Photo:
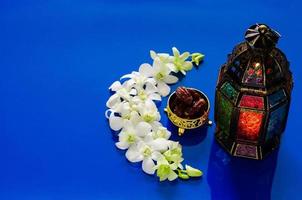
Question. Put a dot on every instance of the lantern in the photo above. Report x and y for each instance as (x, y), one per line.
(253, 95)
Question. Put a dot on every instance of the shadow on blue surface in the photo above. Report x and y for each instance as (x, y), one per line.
(190, 137)
(247, 179)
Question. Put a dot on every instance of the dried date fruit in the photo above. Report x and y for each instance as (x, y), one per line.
(196, 110)
(184, 95)
(179, 111)
(196, 95)
(188, 103)
(199, 104)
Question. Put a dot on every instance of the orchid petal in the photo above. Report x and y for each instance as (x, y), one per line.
(153, 54)
(157, 64)
(163, 88)
(115, 86)
(172, 176)
(148, 138)
(135, 117)
(187, 66)
(150, 88)
(113, 100)
(129, 83)
(116, 123)
(146, 69)
(127, 76)
(168, 134)
(180, 166)
(143, 128)
(170, 79)
(156, 155)
(133, 155)
(184, 55)
(175, 52)
(159, 144)
(122, 145)
(148, 166)
(155, 97)
(171, 66)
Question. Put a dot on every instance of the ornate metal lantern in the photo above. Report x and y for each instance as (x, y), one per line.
(253, 95)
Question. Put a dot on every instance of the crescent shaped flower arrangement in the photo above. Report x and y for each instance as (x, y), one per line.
(133, 112)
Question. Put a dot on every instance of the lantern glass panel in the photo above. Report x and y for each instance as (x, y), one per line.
(272, 71)
(228, 90)
(249, 124)
(254, 72)
(236, 70)
(224, 112)
(276, 98)
(249, 101)
(276, 121)
(246, 150)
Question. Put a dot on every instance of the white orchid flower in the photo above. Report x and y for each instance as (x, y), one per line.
(163, 77)
(123, 112)
(165, 170)
(143, 84)
(148, 111)
(174, 154)
(161, 73)
(159, 131)
(180, 63)
(131, 134)
(123, 92)
(143, 152)
(141, 77)
(148, 91)
(135, 78)
(163, 57)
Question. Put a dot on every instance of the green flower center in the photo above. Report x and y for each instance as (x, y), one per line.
(173, 155)
(161, 133)
(149, 118)
(178, 63)
(142, 95)
(160, 76)
(131, 138)
(163, 170)
(147, 152)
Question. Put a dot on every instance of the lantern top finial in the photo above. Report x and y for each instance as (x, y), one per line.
(261, 36)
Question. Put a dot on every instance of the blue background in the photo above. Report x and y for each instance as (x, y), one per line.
(57, 59)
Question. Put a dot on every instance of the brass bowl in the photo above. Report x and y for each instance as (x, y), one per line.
(185, 124)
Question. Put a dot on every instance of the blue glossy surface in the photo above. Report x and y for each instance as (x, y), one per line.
(57, 59)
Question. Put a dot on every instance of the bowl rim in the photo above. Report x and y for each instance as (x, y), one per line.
(207, 99)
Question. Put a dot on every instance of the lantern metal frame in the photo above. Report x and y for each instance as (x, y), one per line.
(263, 46)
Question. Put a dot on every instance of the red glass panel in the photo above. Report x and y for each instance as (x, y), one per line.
(252, 102)
(249, 125)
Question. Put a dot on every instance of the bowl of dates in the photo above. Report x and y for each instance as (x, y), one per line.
(188, 108)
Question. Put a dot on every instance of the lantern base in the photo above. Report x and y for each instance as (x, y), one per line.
(246, 149)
